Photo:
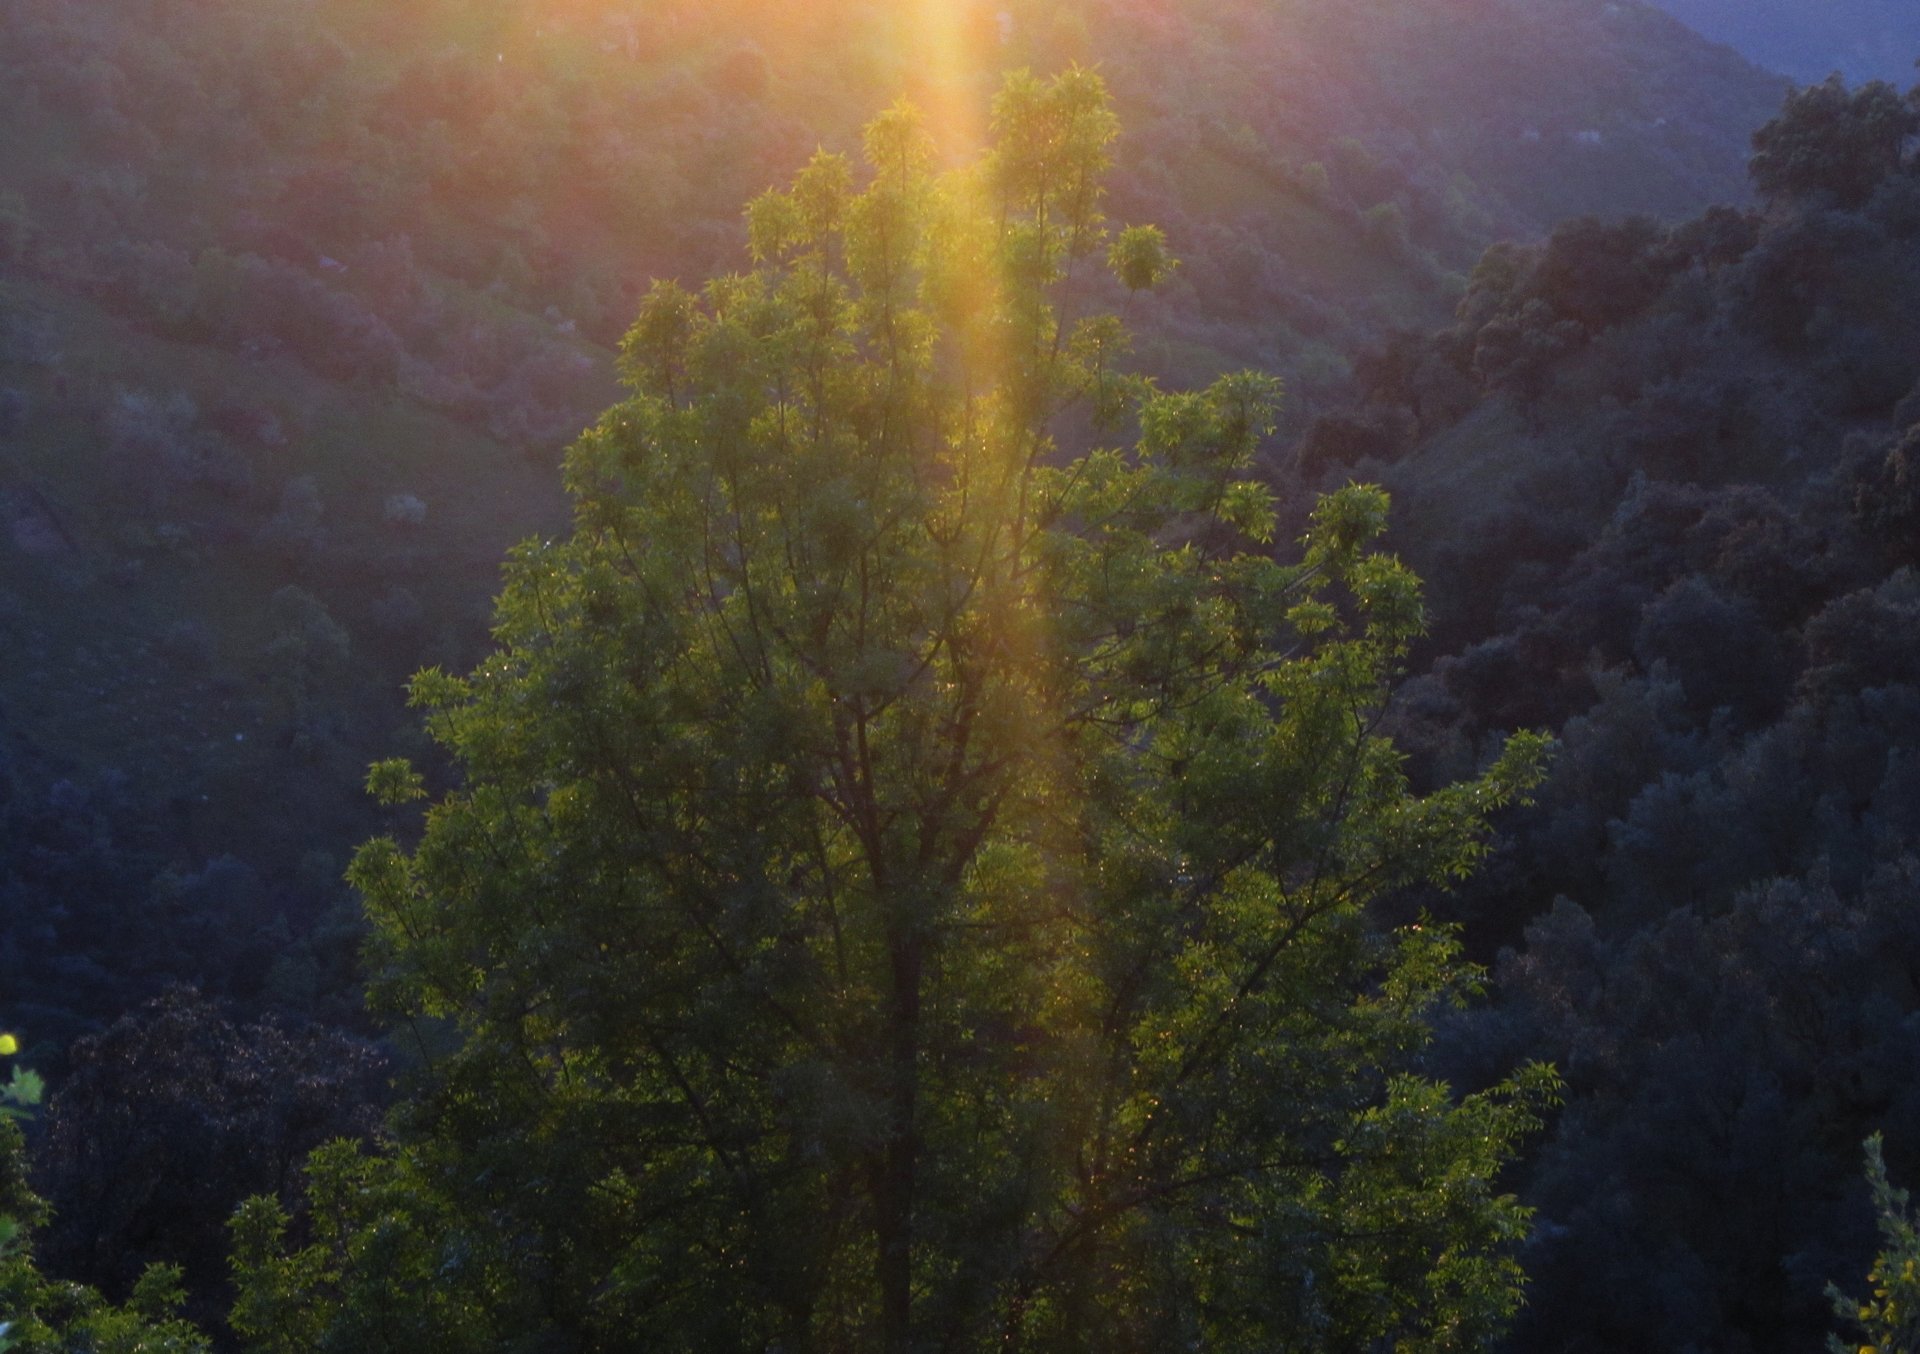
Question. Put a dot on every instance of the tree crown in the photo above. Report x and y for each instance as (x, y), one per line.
(910, 882)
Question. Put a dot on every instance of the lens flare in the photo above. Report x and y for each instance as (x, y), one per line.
(950, 56)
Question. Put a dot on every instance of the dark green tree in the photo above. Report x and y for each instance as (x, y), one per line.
(171, 1115)
(909, 887)
(1834, 142)
(42, 1316)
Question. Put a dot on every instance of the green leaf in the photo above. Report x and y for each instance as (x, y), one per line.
(394, 781)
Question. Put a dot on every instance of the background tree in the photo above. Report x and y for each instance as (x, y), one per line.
(1696, 568)
(170, 1116)
(39, 1316)
(910, 885)
(1834, 141)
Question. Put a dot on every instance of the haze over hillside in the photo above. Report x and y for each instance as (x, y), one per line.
(1810, 39)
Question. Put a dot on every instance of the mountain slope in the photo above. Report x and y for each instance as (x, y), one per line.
(235, 230)
(299, 297)
(1662, 484)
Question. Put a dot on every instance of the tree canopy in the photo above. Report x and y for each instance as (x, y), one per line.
(42, 1316)
(1835, 141)
(909, 883)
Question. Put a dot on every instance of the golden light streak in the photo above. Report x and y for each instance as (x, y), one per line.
(950, 52)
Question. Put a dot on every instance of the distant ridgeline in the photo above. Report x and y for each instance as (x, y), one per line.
(1810, 39)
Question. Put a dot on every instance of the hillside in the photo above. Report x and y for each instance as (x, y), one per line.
(1660, 481)
(300, 298)
(294, 290)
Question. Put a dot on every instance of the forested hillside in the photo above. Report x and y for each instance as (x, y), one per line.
(302, 298)
(301, 301)
(1660, 480)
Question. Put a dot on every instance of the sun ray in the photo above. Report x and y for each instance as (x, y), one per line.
(950, 51)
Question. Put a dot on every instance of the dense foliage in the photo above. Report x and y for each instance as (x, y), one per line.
(40, 1316)
(172, 1113)
(1660, 480)
(909, 888)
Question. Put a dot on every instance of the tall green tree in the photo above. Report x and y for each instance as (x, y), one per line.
(909, 887)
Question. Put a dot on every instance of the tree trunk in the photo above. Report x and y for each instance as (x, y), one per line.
(899, 1156)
